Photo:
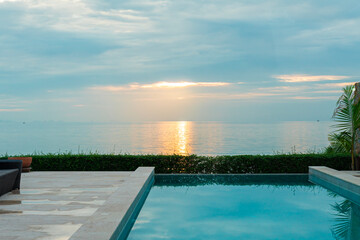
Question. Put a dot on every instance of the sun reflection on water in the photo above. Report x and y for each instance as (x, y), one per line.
(182, 146)
(176, 137)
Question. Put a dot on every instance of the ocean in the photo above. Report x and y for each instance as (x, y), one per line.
(180, 137)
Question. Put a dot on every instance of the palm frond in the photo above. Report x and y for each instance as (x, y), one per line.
(341, 228)
(347, 118)
(340, 142)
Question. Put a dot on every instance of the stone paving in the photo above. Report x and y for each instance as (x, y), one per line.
(354, 173)
(69, 205)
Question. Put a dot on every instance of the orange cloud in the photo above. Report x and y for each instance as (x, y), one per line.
(335, 85)
(308, 78)
(109, 88)
(159, 85)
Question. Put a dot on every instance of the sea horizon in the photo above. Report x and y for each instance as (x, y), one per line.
(164, 137)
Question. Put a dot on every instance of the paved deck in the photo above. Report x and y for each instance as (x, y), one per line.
(345, 183)
(70, 205)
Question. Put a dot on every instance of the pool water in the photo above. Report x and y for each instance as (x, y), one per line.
(244, 207)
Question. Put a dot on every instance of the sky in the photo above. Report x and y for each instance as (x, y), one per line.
(142, 60)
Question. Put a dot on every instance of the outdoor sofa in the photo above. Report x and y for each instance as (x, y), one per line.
(10, 175)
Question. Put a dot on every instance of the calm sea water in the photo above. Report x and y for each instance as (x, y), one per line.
(204, 138)
(271, 207)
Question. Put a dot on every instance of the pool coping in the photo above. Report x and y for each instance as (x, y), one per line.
(227, 174)
(341, 182)
(124, 228)
(114, 219)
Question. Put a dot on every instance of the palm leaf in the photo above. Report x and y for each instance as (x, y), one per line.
(340, 229)
(347, 118)
(340, 142)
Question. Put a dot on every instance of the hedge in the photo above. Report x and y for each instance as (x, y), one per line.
(287, 163)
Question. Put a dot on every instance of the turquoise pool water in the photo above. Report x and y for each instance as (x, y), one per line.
(244, 207)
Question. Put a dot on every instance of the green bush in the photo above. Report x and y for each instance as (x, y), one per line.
(286, 163)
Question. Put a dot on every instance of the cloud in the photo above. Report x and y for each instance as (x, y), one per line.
(333, 32)
(285, 89)
(226, 96)
(292, 78)
(159, 85)
(11, 110)
(184, 84)
(4, 1)
(314, 98)
(328, 91)
(248, 11)
(109, 46)
(335, 85)
(80, 16)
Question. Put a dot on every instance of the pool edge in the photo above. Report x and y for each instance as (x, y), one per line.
(127, 222)
(339, 182)
(114, 216)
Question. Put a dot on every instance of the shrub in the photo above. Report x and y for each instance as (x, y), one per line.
(286, 163)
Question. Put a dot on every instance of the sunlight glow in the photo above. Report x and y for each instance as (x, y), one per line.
(184, 84)
(159, 85)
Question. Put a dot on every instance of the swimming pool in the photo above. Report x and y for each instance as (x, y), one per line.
(244, 207)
